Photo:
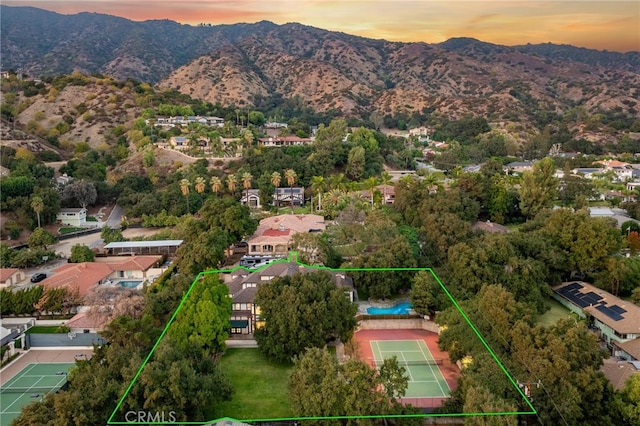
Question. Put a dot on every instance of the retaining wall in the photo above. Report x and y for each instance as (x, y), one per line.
(39, 340)
(395, 324)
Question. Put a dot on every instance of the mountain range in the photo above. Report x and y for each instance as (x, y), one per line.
(242, 64)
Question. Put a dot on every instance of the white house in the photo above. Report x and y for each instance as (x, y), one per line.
(72, 217)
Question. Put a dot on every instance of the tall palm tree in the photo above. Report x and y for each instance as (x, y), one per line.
(232, 180)
(184, 187)
(291, 176)
(317, 186)
(371, 184)
(200, 186)
(275, 181)
(37, 205)
(246, 183)
(385, 180)
(216, 184)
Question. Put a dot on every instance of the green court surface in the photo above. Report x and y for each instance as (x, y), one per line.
(30, 384)
(425, 378)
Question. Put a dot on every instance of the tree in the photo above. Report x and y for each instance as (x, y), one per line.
(396, 253)
(175, 380)
(539, 188)
(246, 184)
(231, 183)
(628, 400)
(301, 311)
(37, 205)
(82, 191)
(566, 359)
(81, 253)
(320, 387)
(317, 186)
(356, 162)
(216, 184)
(291, 176)
(424, 293)
(275, 180)
(41, 238)
(202, 323)
(184, 187)
(371, 184)
(109, 235)
(200, 186)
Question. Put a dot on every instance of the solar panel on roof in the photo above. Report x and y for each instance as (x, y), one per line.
(617, 309)
(608, 312)
(573, 287)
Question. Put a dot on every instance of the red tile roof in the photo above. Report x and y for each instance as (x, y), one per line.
(6, 273)
(80, 276)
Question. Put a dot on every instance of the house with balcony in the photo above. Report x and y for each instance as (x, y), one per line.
(243, 286)
(617, 321)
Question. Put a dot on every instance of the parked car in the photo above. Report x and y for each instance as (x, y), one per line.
(38, 276)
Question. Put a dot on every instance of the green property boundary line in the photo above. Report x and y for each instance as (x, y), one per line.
(293, 257)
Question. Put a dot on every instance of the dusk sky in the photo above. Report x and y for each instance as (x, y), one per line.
(611, 25)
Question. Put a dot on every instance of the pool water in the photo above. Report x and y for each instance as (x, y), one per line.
(129, 284)
(399, 309)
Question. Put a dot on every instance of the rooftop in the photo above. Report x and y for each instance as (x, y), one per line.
(620, 315)
(6, 273)
(618, 372)
(144, 244)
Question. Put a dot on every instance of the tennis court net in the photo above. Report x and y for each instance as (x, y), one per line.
(38, 390)
(419, 362)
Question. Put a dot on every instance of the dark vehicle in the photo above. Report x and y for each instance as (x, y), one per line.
(37, 277)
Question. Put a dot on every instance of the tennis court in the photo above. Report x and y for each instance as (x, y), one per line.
(30, 384)
(425, 377)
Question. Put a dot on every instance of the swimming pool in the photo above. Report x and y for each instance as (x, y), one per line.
(129, 284)
(399, 309)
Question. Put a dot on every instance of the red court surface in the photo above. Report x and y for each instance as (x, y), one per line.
(449, 371)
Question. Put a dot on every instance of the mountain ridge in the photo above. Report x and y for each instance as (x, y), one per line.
(160, 39)
(246, 64)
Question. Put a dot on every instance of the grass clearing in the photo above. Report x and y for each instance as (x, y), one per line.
(69, 230)
(260, 386)
(556, 312)
(47, 329)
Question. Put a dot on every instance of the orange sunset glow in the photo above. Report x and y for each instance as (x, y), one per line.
(610, 25)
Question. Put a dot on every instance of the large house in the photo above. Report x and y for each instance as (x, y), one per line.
(243, 285)
(617, 320)
(275, 234)
(83, 277)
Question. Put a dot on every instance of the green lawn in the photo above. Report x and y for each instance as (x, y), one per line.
(47, 329)
(68, 230)
(260, 386)
(91, 219)
(556, 312)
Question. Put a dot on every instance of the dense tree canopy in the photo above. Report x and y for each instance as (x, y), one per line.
(302, 311)
(320, 387)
